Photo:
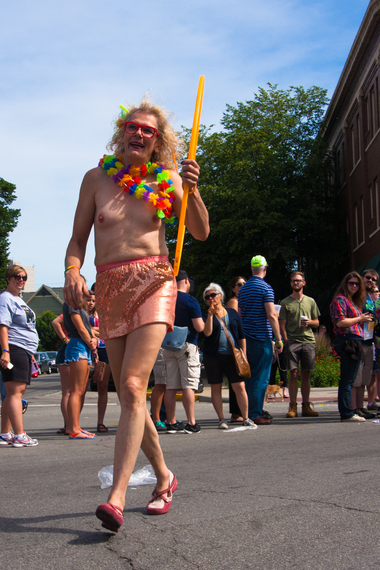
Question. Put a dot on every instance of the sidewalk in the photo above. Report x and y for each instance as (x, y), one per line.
(317, 395)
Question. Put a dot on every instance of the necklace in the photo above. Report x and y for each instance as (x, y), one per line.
(128, 178)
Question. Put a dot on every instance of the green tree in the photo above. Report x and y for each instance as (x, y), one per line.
(265, 180)
(48, 337)
(8, 222)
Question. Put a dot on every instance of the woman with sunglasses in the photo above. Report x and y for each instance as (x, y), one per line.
(235, 285)
(348, 321)
(19, 341)
(217, 354)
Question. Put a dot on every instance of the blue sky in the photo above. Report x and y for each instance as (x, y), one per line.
(65, 68)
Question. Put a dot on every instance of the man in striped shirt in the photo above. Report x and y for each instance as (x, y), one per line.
(260, 323)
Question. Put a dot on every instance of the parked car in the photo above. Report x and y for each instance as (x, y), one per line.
(43, 362)
(52, 354)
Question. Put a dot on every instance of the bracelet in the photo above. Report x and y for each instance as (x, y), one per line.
(5, 350)
(278, 344)
(65, 339)
(193, 190)
(72, 267)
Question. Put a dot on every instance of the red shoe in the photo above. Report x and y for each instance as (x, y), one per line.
(111, 516)
(159, 504)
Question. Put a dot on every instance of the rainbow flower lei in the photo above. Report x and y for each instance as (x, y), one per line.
(128, 178)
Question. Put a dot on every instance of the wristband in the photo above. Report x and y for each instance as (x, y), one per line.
(72, 267)
(278, 344)
(5, 350)
(193, 190)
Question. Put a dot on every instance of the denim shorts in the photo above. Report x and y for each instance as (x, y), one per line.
(77, 350)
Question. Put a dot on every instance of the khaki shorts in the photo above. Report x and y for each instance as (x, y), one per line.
(303, 352)
(159, 368)
(183, 368)
(364, 375)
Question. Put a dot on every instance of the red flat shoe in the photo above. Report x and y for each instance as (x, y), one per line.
(111, 516)
(159, 504)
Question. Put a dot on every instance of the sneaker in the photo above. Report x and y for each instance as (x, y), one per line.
(362, 412)
(6, 439)
(174, 428)
(192, 429)
(373, 407)
(354, 418)
(160, 426)
(24, 441)
(222, 424)
(266, 415)
(249, 423)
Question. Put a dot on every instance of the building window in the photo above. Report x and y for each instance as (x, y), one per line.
(359, 223)
(375, 207)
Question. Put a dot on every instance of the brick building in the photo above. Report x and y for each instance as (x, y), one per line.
(353, 134)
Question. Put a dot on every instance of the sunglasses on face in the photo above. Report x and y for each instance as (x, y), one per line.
(147, 132)
(371, 279)
(353, 283)
(211, 296)
(239, 284)
(297, 280)
(20, 277)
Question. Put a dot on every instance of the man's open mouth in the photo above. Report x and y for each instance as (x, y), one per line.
(135, 144)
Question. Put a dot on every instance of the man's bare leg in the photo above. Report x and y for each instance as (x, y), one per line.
(188, 401)
(170, 402)
(158, 392)
(132, 358)
(305, 385)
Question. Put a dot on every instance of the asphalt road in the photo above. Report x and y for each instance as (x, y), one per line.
(300, 493)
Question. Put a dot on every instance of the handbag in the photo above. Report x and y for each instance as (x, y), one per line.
(241, 363)
(176, 339)
(99, 370)
(35, 369)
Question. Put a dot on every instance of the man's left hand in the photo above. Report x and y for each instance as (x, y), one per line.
(190, 173)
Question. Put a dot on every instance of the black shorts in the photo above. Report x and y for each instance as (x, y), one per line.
(221, 365)
(22, 366)
(102, 353)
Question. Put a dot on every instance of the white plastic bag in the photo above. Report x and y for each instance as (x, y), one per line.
(144, 476)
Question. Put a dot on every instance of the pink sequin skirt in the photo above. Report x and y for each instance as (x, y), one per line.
(131, 294)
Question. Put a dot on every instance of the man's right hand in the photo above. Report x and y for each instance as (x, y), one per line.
(75, 289)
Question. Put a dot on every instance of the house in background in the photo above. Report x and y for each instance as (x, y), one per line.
(353, 134)
(45, 299)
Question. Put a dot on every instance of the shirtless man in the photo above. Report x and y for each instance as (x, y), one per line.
(135, 295)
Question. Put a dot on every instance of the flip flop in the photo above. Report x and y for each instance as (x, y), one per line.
(63, 431)
(159, 505)
(111, 516)
(82, 435)
(102, 428)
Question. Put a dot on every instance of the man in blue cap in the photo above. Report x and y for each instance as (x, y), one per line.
(260, 323)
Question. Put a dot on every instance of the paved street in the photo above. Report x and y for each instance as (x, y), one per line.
(300, 493)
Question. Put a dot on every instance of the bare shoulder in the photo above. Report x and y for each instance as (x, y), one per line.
(92, 178)
(177, 181)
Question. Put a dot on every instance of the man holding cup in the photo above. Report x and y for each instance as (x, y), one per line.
(298, 315)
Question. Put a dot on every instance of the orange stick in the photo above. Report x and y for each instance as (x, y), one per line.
(192, 154)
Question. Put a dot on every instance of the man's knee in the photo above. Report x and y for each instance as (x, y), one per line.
(133, 392)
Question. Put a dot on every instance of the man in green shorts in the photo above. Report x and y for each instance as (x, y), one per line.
(298, 315)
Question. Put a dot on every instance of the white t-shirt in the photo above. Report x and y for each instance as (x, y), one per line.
(20, 320)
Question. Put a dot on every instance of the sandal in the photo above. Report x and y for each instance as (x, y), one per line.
(62, 431)
(82, 435)
(101, 428)
(159, 504)
(111, 516)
